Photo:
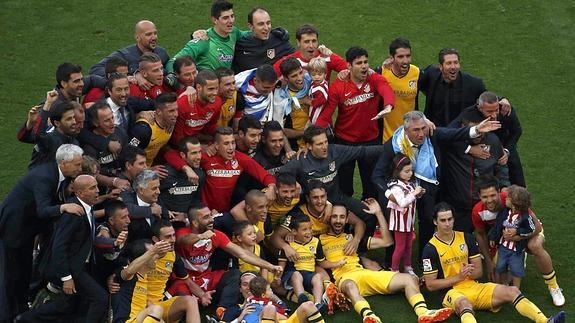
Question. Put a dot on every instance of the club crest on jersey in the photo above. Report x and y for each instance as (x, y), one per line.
(271, 53)
(412, 84)
(462, 247)
(332, 166)
(234, 163)
(312, 249)
(158, 92)
(209, 115)
(168, 265)
(367, 88)
(348, 237)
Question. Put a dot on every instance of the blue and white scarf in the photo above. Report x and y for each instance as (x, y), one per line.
(257, 105)
(425, 162)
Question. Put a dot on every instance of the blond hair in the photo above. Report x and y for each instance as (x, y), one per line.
(317, 64)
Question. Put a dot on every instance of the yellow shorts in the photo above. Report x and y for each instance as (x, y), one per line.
(166, 305)
(369, 282)
(480, 295)
(291, 319)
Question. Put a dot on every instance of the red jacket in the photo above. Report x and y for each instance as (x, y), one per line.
(222, 176)
(195, 119)
(356, 106)
(150, 94)
(334, 63)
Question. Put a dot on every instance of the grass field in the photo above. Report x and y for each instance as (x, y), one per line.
(521, 49)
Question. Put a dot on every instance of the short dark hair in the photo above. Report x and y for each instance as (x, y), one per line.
(339, 203)
(266, 73)
(204, 76)
(114, 76)
(447, 51)
(223, 71)
(315, 184)
(251, 14)
(129, 154)
(354, 52)
(157, 227)
(183, 143)
(471, 116)
(113, 63)
(138, 248)
(311, 132)
(486, 181)
(248, 122)
(240, 226)
(58, 110)
(272, 126)
(441, 207)
(305, 29)
(296, 219)
(285, 179)
(182, 61)
(92, 113)
(219, 6)
(258, 286)
(193, 211)
(222, 131)
(398, 43)
(289, 65)
(65, 71)
(399, 161)
(112, 207)
(163, 99)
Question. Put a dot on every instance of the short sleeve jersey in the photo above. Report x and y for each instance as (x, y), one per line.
(482, 218)
(158, 277)
(132, 297)
(228, 110)
(197, 257)
(318, 225)
(309, 253)
(447, 257)
(333, 246)
(244, 266)
(277, 210)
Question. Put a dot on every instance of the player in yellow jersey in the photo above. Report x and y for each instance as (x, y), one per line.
(356, 282)
(451, 260)
(227, 91)
(403, 77)
(152, 135)
(133, 303)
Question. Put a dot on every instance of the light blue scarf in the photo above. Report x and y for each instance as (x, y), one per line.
(425, 162)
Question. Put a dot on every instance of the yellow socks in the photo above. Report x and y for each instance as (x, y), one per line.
(467, 316)
(418, 304)
(551, 280)
(363, 308)
(528, 309)
(315, 318)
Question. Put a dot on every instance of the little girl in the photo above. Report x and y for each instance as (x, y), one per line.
(402, 192)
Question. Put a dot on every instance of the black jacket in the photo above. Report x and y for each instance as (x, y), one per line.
(70, 247)
(139, 227)
(31, 206)
(468, 88)
(132, 55)
(251, 52)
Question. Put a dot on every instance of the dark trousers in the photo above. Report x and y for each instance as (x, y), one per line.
(87, 289)
(462, 217)
(425, 206)
(228, 290)
(345, 171)
(357, 207)
(17, 268)
(515, 168)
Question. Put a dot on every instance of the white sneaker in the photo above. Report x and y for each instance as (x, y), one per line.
(557, 296)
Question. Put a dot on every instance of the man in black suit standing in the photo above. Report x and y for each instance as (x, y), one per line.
(67, 263)
(28, 210)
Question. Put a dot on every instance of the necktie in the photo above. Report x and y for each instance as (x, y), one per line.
(123, 119)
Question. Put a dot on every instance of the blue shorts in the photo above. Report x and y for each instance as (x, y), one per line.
(307, 277)
(514, 260)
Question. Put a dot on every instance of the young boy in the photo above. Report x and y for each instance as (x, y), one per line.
(512, 229)
(300, 275)
(318, 92)
(245, 234)
(261, 295)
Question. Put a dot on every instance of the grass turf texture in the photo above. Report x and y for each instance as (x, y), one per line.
(521, 49)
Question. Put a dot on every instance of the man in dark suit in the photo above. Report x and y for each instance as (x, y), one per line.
(413, 140)
(142, 204)
(28, 210)
(67, 263)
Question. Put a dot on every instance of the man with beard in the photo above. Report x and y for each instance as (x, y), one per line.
(146, 36)
(263, 45)
(356, 282)
(102, 119)
(152, 71)
(196, 245)
(153, 135)
(357, 101)
(62, 116)
(308, 48)
(249, 135)
(227, 92)
(271, 153)
(184, 74)
(255, 89)
(177, 193)
(218, 49)
(114, 65)
(484, 214)
(291, 101)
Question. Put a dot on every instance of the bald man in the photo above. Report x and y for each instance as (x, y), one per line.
(146, 36)
(69, 261)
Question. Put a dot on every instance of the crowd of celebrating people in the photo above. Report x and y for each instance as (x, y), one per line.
(218, 181)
